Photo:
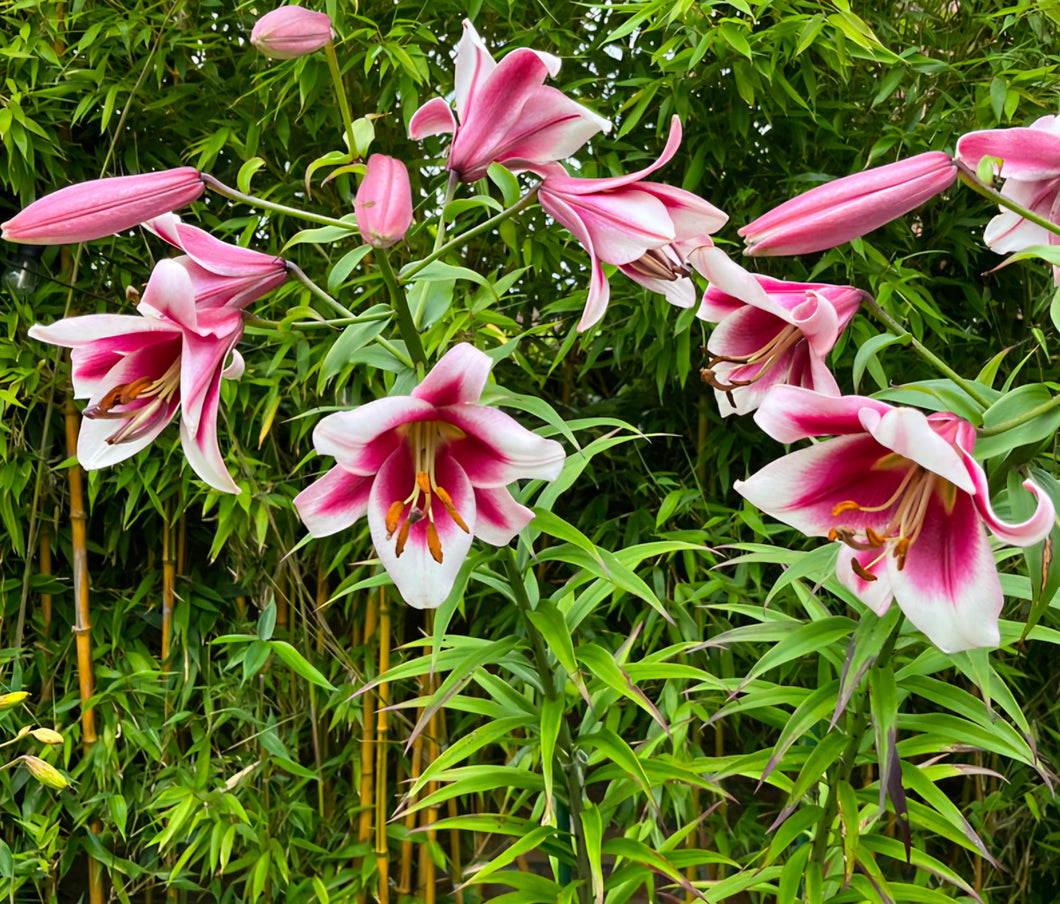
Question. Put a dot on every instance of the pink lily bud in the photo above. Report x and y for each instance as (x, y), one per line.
(291, 31)
(91, 210)
(383, 205)
(847, 208)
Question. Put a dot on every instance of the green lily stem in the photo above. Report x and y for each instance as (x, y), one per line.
(340, 96)
(450, 191)
(575, 770)
(235, 195)
(280, 326)
(296, 272)
(525, 201)
(969, 178)
(1021, 419)
(925, 353)
(400, 302)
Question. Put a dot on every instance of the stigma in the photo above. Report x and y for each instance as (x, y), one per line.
(425, 439)
(907, 506)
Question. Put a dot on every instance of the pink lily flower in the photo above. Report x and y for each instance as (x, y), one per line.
(137, 371)
(222, 275)
(649, 230)
(777, 333)
(430, 470)
(850, 207)
(902, 493)
(1031, 167)
(383, 205)
(504, 112)
(92, 210)
(291, 31)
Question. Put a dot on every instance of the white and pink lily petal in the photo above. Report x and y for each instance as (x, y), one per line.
(902, 493)
(223, 275)
(138, 371)
(773, 333)
(504, 112)
(430, 471)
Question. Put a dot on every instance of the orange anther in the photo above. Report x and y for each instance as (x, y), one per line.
(861, 572)
(833, 534)
(403, 537)
(847, 506)
(434, 544)
(447, 501)
(393, 516)
(901, 550)
(423, 482)
(874, 538)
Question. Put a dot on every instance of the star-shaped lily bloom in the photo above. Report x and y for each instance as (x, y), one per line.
(504, 112)
(222, 275)
(1031, 168)
(651, 231)
(430, 470)
(137, 371)
(902, 493)
(773, 332)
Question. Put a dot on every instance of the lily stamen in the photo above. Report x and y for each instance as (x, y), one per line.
(656, 264)
(424, 437)
(905, 525)
(769, 354)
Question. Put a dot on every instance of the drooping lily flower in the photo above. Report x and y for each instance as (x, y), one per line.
(847, 208)
(1031, 168)
(504, 112)
(430, 470)
(137, 371)
(383, 205)
(291, 31)
(92, 210)
(650, 230)
(777, 333)
(902, 493)
(222, 275)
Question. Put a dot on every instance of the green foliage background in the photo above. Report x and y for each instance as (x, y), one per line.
(225, 773)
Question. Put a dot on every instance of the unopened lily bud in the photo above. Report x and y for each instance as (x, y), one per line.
(47, 735)
(383, 205)
(45, 773)
(291, 31)
(10, 701)
(91, 210)
(847, 208)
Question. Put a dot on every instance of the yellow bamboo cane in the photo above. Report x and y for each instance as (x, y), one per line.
(415, 768)
(382, 853)
(367, 795)
(168, 587)
(46, 570)
(82, 624)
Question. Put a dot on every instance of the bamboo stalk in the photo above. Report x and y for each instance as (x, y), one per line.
(82, 625)
(367, 795)
(454, 834)
(428, 876)
(241, 607)
(168, 586)
(79, 530)
(320, 735)
(415, 768)
(382, 853)
(46, 571)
